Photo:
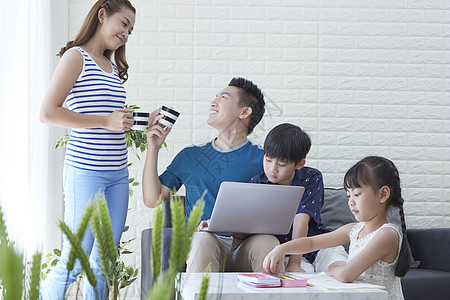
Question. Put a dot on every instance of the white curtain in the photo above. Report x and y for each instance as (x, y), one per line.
(25, 70)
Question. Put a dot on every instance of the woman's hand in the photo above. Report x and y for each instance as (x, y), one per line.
(156, 133)
(120, 120)
(274, 260)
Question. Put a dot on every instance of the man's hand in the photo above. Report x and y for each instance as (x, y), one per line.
(156, 133)
(203, 224)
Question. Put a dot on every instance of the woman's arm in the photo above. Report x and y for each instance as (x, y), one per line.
(62, 82)
(384, 246)
(274, 260)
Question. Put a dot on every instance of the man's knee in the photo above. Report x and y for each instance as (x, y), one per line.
(204, 243)
(256, 248)
(260, 245)
(205, 250)
(262, 241)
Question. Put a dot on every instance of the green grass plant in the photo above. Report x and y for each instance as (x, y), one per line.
(18, 278)
(182, 234)
(157, 235)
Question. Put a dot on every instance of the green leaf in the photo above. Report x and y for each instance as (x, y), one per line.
(131, 180)
(135, 183)
(127, 283)
(57, 252)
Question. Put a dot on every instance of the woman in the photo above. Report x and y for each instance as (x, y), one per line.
(96, 158)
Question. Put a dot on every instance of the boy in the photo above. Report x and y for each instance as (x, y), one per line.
(236, 110)
(285, 150)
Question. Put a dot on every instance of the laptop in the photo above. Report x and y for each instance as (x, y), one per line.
(252, 208)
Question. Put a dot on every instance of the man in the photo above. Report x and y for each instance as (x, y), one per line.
(234, 113)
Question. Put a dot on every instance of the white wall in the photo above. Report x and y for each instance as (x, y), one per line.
(362, 77)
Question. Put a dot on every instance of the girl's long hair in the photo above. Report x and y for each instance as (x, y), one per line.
(376, 172)
(89, 28)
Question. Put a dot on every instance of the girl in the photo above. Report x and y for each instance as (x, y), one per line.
(96, 158)
(378, 253)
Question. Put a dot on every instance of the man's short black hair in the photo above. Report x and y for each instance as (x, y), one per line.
(250, 95)
(287, 142)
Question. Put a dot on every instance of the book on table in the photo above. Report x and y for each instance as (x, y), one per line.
(260, 278)
(324, 282)
(266, 280)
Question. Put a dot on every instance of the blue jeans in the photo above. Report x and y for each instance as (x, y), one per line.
(80, 187)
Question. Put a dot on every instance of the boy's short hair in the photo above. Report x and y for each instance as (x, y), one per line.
(287, 142)
(250, 95)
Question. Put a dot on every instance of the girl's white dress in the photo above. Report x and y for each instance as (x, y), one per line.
(380, 273)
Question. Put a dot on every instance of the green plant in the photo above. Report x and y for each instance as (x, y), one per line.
(19, 279)
(182, 233)
(204, 288)
(125, 275)
(119, 276)
(51, 259)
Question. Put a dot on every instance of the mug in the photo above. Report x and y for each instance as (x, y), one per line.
(170, 116)
(140, 120)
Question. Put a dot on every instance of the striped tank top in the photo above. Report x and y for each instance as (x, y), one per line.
(96, 92)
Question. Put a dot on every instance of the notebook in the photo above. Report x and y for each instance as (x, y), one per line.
(251, 208)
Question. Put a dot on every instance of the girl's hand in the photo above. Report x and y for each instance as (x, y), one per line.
(120, 120)
(156, 133)
(274, 260)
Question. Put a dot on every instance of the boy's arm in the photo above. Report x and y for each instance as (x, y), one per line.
(310, 205)
(151, 185)
(299, 229)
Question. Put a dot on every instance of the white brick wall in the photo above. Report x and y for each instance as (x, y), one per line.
(362, 77)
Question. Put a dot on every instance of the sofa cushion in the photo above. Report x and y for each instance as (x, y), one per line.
(419, 284)
(335, 211)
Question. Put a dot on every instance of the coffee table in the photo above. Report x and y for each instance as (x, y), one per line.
(234, 290)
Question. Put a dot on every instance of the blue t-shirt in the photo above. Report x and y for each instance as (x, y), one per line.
(311, 203)
(205, 167)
